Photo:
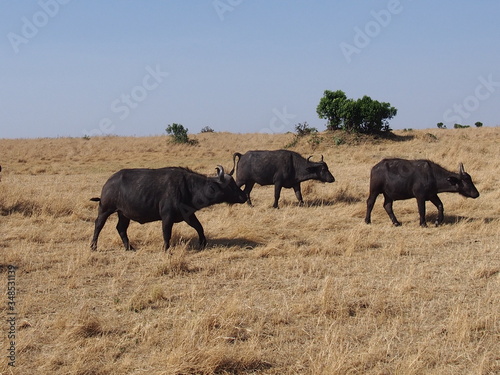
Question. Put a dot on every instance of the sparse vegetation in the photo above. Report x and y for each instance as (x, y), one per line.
(338, 141)
(303, 129)
(307, 290)
(314, 140)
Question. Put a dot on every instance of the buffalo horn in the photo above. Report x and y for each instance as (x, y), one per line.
(461, 168)
(321, 158)
(220, 172)
(309, 158)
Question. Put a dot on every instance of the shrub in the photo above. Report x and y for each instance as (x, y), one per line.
(315, 140)
(338, 141)
(363, 115)
(304, 129)
(179, 133)
(207, 129)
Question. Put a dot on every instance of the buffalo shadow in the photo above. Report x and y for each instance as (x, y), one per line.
(450, 219)
(341, 198)
(212, 243)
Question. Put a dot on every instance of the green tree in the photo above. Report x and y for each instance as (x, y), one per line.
(178, 132)
(440, 125)
(478, 124)
(374, 115)
(363, 115)
(330, 108)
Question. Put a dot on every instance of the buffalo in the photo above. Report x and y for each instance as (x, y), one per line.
(281, 168)
(399, 179)
(171, 194)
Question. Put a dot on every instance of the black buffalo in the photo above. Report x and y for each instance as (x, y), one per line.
(399, 179)
(171, 194)
(281, 168)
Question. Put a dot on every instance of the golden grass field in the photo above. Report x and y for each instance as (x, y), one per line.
(295, 290)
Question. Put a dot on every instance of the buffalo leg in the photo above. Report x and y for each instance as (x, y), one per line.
(193, 221)
(102, 216)
(388, 208)
(370, 202)
(166, 224)
(121, 227)
(421, 211)
(437, 202)
(248, 188)
(277, 193)
(298, 194)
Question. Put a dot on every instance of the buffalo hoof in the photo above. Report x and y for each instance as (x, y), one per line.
(397, 224)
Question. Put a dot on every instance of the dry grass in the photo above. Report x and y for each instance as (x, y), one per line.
(299, 290)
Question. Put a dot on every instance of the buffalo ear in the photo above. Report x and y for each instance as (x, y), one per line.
(453, 180)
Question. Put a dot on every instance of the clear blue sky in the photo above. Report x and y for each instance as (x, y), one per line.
(75, 68)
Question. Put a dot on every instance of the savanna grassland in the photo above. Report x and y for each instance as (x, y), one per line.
(295, 290)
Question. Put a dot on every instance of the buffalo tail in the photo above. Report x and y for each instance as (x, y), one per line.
(236, 154)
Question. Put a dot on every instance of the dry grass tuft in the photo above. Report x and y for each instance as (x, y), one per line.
(176, 265)
(299, 290)
(87, 327)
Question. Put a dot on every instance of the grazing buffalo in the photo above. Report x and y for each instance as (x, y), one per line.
(401, 179)
(281, 168)
(171, 194)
